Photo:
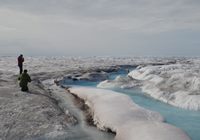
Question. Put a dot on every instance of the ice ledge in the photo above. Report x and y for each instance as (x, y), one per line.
(120, 114)
(177, 85)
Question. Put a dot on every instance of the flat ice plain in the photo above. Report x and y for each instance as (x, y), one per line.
(172, 80)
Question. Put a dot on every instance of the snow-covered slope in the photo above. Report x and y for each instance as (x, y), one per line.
(117, 112)
(176, 84)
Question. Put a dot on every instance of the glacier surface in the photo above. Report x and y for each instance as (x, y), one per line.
(181, 89)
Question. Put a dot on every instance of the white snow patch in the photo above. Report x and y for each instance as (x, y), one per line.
(117, 112)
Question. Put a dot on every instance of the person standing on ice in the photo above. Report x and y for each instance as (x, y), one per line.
(24, 80)
(20, 63)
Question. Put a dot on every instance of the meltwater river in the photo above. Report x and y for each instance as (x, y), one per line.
(187, 120)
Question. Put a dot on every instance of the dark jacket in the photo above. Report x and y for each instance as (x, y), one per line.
(20, 60)
(25, 78)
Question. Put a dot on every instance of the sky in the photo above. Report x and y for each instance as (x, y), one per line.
(100, 27)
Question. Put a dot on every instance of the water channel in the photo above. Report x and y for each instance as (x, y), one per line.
(187, 120)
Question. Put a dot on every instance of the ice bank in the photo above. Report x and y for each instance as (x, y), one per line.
(119, 82)
(177, 84)
(115, 111)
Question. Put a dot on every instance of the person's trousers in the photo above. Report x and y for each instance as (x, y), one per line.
(24, 88)
(20, 69)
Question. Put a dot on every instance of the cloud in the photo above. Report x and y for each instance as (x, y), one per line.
(134, 15)
(99, 24)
